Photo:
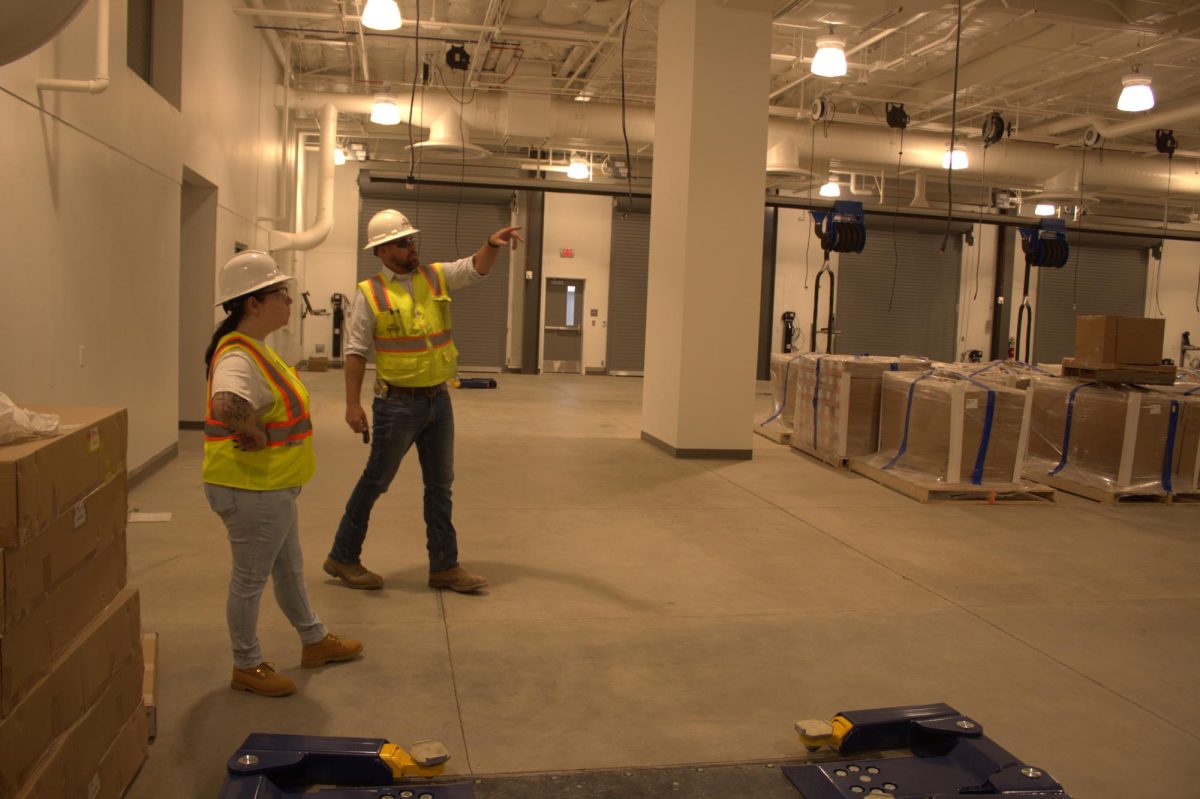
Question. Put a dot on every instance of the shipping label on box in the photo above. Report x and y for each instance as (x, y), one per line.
(29, 573)
(30, 648)
(40, 480)
(73, 684)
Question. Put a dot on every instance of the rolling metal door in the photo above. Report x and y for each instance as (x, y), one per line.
(479, 311)
(627, 292)
(924, 315)
(1111, 280)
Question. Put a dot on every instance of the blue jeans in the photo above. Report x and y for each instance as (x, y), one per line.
(398, 423)
(264, 536)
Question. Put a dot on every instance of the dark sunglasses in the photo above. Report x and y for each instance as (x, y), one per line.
(282, 291)
(406, 242)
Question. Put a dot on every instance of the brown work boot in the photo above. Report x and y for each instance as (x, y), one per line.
(354, 575)
(457, 579)
(330, 649)
(262, 680)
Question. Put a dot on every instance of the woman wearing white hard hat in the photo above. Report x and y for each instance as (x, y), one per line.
(257, 454)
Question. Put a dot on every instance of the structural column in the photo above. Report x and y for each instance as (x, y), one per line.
(706, 226)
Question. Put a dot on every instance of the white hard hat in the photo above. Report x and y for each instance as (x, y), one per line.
(388, 225)
(246, 273)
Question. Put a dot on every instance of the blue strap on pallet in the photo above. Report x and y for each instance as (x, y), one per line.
(816, 399)
(1169, 456)
(986, 438)
(787, 378)
(1067, 428)
(907, 418)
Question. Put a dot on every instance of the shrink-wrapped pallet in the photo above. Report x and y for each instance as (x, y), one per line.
(777, 424)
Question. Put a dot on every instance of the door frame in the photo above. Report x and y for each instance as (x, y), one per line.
(546, 278)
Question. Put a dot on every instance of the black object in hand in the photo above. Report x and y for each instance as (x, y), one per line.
(367, 436)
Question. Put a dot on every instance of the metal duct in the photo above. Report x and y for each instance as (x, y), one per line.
(278, 240)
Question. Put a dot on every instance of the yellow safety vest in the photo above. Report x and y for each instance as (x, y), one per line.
(413, 345)
(288, 458)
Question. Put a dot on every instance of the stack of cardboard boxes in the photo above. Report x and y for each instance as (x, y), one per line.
(837, 401)
(945, 428)
(71, 669)
(777, 424)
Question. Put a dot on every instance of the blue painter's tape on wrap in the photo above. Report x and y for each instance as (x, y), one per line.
(1169, 455)
(787, 378)
(907, 418)
(816, 399)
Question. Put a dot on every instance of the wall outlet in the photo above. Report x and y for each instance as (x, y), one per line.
(81, 349)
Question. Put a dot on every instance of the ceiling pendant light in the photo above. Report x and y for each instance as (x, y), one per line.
(1136, 94)
(578, 168)
(830, 60)
(831, 189)
(381, 15)
(385, 111)
(954, 159)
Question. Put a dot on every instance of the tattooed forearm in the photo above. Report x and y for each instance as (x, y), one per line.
(234, 411)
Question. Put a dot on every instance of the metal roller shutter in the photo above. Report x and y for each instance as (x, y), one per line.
(480, 311)
(627, 291)
(924, 315)
(1111, 279)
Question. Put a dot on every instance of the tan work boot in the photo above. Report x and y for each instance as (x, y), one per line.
(330, 649)
(262, 680)
(457, 579)
(354, 575)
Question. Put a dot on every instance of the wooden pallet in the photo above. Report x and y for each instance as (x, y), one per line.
(1120, 373)
(1105, 496)
(1024, 492)
(833, 460)
(773, 431)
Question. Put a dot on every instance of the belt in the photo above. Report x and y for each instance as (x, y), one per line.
(412, 391)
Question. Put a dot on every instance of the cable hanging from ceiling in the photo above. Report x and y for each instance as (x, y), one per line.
(953, 130)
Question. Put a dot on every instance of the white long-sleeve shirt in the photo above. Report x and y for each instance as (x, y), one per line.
(360, 333)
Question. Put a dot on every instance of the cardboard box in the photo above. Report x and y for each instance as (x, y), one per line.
(837, 402)
(150, 682)
(30, 573)
(40, 480)
(945, 430)
(74, 684)
(29, 649)
(318, 363)
(101, 753)
(1116, 439)
(1113, 340)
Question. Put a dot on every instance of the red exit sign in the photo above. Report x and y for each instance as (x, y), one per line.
(567, 252)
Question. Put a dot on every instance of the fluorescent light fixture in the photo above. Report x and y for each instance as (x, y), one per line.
(339, 156)
(583, 97)
(831, 189)
(830, 60)
(579, 169)
(955, 160)
(385, 111)
(382, 15)
(1045, 209)
(1136, 94)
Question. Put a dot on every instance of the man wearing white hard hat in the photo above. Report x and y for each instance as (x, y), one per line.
(257, 454)
(404, 314)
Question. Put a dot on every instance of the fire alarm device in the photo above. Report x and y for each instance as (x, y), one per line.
(567, 252)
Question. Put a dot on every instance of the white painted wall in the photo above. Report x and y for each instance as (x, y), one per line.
(332, 267)
(582, 223)
(798, 258)
(1176, 289)
(90, 212)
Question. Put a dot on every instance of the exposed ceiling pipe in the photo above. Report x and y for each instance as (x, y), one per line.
(362, 45)
(271, 36)
(1113, 130)
(562, 120)
(98, 83)
(587, 59)
(278, 240)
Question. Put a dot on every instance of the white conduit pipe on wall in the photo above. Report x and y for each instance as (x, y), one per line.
(278, 240)
(1025, 162)
(98, 83)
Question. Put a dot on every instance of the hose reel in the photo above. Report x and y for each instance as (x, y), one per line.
(842, 229)
(1046, 245)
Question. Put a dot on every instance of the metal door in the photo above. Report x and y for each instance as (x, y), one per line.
(562, 349)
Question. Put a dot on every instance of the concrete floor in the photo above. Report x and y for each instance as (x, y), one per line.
(649, 611)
